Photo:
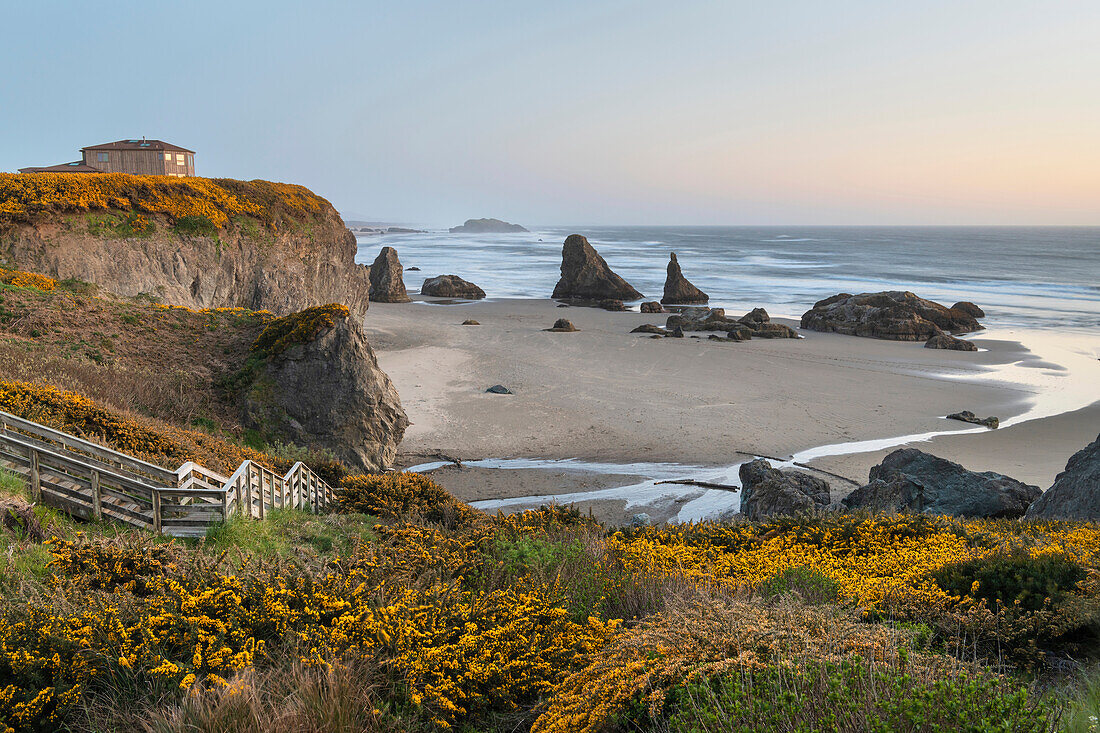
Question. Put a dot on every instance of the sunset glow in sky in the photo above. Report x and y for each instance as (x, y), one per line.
(595, 111)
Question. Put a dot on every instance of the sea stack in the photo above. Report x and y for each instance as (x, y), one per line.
(586, 276)
(678, 291)
(386, 282)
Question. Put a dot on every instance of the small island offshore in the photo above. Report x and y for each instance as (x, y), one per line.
(248, 482)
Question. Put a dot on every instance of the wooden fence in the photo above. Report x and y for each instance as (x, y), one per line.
(89, 481)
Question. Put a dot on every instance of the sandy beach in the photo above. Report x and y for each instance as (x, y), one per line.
(606, 395)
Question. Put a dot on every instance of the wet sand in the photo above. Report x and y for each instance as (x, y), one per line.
(603, 394)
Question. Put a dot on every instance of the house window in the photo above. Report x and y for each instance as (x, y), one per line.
(167, 156)
(191, 160)
(179, 158)
(101, 157)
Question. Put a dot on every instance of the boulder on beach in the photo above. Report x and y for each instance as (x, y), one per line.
(611, 304)
(563, 325)
(767, 491)
(715, 319)
(652, 306)
(678, 291)
(1075, 493)
(970, 417)
(386, 282)
(486, 226)
(470, 322)
(912, 481)
(898, 315)
(498, 389)
(586, 276)
(451, 286)
(650, 328)
(969, 309)
(755, 316)
(947, 341)
(327, 392)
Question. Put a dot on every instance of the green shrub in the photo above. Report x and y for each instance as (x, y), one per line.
(1013, 578)
(198, 226)
(852, 697)
(811, 585)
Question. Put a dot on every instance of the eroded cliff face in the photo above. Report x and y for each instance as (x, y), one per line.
(306, 263)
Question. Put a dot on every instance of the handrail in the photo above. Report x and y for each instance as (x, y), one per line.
(91, 481)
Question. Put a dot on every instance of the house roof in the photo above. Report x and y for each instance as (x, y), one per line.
(142, 144)
(77, 166)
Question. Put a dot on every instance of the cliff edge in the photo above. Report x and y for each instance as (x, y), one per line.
(198, 242)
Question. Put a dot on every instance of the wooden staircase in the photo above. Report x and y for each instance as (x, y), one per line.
(89, 481)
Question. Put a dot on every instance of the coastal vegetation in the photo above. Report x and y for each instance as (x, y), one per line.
(194, 205)
(426, 614)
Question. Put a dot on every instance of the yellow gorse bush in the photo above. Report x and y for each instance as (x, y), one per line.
(26, 195)
(163, 445)
(27, 280)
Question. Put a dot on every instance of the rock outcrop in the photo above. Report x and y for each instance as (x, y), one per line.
(965, 306)
(563, 325)
(756, 323)
(650, 328)
(486, 226)
(1075, 493)
(947, 341)
(586, 276)
(909, 480)
(767, 491)
(262, 246)
(387, 283)
(897, 315)
(678, 291)
(316, 382)
(970, 417)
(451, 286)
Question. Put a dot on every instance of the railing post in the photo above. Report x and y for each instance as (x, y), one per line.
(97, 501)
(261, 494)
(36, 479)
(156, 511)
(225, 505)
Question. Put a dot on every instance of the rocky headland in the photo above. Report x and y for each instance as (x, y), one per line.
(585, 276)
(199, 242)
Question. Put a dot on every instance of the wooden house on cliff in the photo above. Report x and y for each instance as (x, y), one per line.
(138, 157)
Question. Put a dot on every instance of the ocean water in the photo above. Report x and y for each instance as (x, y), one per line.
(1045, 278)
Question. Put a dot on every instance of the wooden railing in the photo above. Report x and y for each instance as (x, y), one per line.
(92, 482)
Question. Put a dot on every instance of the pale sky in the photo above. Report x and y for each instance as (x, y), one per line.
(588, 111)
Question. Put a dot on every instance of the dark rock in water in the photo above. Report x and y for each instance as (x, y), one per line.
(895, 314)
(498, 389)
(486, 226)
(586, 276)
(611, 304)
(715, 319)
(412, 269)
(563, 326)
(328, 392)
(970, 417)
(909, 480)
(451, 286)
(470, 322)
(650, 328)
(404, 230)
(755, 316)
(678, 291)
(676, 333)
(766, 491)
(386, 282)
(947, 341)
(969, 309)
(1075, 493)
(652, 306)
